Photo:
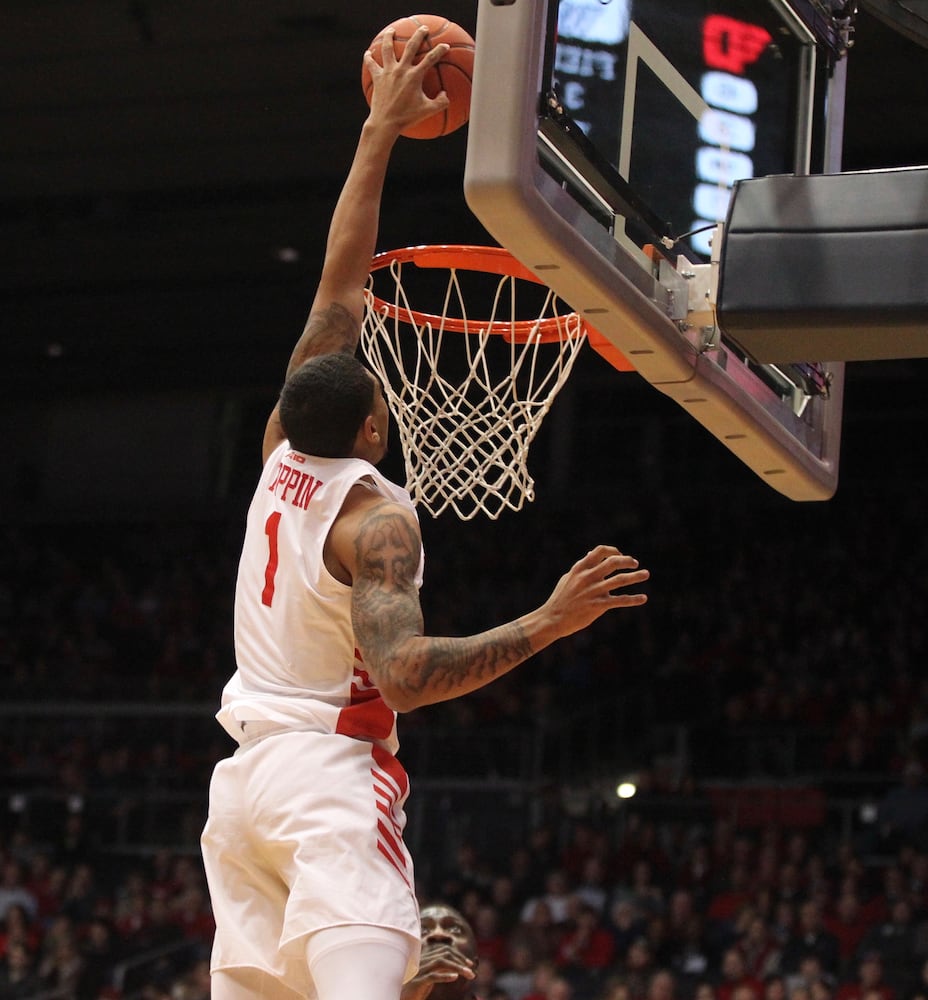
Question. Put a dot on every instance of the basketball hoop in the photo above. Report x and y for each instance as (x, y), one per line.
(468, 394)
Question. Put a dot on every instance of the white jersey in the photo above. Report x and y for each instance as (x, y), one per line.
(297, 662)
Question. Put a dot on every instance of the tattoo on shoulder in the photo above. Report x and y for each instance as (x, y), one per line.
(385, 605)
(387, 551)
(387, 548)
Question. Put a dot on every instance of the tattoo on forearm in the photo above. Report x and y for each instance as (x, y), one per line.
(450, 664)
(384, 590)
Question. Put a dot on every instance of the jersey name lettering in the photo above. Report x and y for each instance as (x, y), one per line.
(301, 485)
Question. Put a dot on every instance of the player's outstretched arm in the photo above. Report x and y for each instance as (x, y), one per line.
(412, 669)
(397, 100)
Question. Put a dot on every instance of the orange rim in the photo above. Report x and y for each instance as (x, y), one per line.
(490, 260)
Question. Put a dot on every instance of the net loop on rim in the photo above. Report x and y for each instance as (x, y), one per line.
(468, 394)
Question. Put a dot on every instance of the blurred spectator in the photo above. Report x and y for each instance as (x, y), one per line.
(545, 975)
(591, 887)
(775, 988)
(193, 985)
(810, 978)
(62, 966)
(625, 924)
(643, 890)
(503, 898)
(638, 967)
(540, 933)
(18, 928)
(920, 983)
(13, 890)
(868, 983)
(733, 893)
(894, 940)
(99, 953)
(18, 977)
(810, 938)
(735, 982)
(697, 873)
(848, 924)
(556, 898)
(691, 959)
(491, 943)
(662, 986)
(585, 951)
(587, 944)
(517, 979)
(758, 948)
(903, 813)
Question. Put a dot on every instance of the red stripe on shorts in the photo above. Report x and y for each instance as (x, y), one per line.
(392, 767)
(389, 848)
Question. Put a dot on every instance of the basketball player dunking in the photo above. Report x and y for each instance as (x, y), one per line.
(311, 885)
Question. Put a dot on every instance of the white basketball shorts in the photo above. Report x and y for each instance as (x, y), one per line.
(305, 832)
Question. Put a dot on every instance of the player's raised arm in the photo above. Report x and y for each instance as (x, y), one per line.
(397, 100)
(379, 544)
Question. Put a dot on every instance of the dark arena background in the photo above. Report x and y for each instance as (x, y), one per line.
(166, 178)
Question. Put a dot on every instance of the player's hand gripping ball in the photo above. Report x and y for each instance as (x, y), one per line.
(452, 74)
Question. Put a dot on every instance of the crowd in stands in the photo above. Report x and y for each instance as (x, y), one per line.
(77, 925)
(672, 913)
(580, 910)
(814, 626)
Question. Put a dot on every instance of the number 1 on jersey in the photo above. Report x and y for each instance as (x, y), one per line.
(270, 529)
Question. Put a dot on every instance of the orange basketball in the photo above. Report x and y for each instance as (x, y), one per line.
(453, 74)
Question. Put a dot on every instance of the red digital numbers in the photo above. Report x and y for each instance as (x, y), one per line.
(732, 45)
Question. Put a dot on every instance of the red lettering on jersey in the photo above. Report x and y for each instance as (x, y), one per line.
(295, 456)
(732, 45)
(306, 491)
(280, 474)
(292, 479)
(301, 484)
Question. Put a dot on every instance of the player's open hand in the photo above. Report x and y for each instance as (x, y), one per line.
(398, 98)
(594, 585)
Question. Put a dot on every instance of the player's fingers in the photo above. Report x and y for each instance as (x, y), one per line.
(597, 554)
(627, 600)
(626, 579)
(606, 559)
(434, 55)
(387, 51)
(439, 102)
(373, 67)
(414, 43)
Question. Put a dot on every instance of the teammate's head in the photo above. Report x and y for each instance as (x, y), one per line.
(325, 403)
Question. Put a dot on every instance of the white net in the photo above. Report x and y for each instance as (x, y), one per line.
(468, 395)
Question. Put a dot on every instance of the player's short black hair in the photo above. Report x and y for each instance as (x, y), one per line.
(323, 404)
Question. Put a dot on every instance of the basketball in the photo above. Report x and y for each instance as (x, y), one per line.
(453, 74)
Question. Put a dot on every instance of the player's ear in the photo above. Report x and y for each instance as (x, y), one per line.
(368, 432)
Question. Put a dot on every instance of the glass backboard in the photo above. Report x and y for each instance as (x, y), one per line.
(604, 141)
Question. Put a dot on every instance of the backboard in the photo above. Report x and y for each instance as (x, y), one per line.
(604, 140)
